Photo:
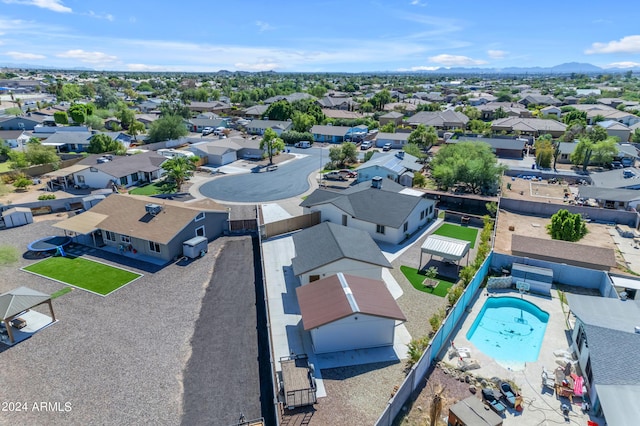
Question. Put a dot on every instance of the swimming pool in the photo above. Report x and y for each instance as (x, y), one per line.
(509, 329)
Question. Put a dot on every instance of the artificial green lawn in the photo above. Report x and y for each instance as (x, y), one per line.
(416, 279)
(458, 232)
(83, 273)
(154, 188)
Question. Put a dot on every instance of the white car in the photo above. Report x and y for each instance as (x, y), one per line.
(207, 131)
(386, 146)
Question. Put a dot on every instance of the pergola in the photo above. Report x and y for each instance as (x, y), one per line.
(447, 248)
(82, 224)
(18, 300)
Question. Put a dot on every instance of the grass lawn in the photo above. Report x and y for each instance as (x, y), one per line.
(154, 188)
(4, 167)
(458, 232)
(86, 274)
(416, 279)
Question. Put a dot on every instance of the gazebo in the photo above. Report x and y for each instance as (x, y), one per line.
(447, 248)
(18, 300)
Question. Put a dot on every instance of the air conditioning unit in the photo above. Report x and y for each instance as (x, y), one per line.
(153, 209)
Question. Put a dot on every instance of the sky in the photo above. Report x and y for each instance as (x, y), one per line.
(316, 35)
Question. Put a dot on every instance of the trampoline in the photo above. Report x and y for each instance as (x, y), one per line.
(49, 243)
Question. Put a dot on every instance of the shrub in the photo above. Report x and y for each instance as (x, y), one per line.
(47, 197)
(22, 182)
(416, 348)
(454, 293)
(567, 226)
(436, 319)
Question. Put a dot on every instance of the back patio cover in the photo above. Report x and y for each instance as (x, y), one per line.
(18, 300)
(445, 247)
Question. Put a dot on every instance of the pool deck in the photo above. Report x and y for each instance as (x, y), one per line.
(540, 406)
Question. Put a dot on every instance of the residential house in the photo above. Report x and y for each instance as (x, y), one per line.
(552, 110)
(289, 98)
(511, 109)
(443, 120)
(533, 99)
(101, 171)
(606, 339)
(615, 129)
(345, 312)
(152, 104)
(256, 111)
(394, 117)
(583, 93)
(343, 103)
(397, 140)
(331, 134)
(611, 198)
(146, 119)
(628, 178)
(134, 225)
(14, 138)
(20, 122)
(79, 140)
(341, 114)
(502, 148)
(570, 100)
(478, 99)
(327, 249)
(218, 152)
(529, 126)
(257, 127)
(429, 96)
(197, 125)
(398, 167)
(386, 211)
(215, 106)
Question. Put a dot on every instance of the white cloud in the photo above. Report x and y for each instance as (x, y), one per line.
(53, 5)
(455, 60)
(109, 17)
(264, 26)
(21, 56)
(88, 57)
(418, 68)
(418, 3)
(624, 64)
(497, 54)
(265, 65)
(628, 44)
(146, 67)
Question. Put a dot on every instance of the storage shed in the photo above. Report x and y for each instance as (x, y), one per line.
(195, 247)
(17, 216)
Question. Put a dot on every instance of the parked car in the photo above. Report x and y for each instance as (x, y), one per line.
(335, 175)
(627, 162)
(349, 173)
(207, 131)
(303, 144)
(616, 165)
(386, 146)
(219, 130)
(365, 145)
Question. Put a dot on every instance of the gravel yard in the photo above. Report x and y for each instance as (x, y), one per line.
(116, 359)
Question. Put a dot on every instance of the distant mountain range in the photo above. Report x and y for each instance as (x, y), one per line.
(566, 68)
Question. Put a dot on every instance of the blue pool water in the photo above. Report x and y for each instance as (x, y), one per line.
(509, 329)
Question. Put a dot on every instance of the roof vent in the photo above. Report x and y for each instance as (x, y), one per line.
(637, 329)
(101, 160)
(400, 154)
(376, 182)
(153, 209)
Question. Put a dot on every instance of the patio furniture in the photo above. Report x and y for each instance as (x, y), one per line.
(548, 379)
(508, 394)
(494, 403)
(430, 283)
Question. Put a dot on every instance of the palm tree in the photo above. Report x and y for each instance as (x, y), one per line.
(179, 169)
(436, 406)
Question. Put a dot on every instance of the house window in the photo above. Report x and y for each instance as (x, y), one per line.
(125, 239)
(430, 210)
(200, 216)
(155, 247)
(110, 236)
(344, 220)
(93, 170)
(422, 214)
(123, 180)
(380, 229)
(588, 372)
(582, 339)
(80, 179)
(200, 231)
(406, 227)
(313, 278)
(134, 177)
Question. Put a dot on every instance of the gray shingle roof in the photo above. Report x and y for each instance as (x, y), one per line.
(76, 138)
(392, 162)
(495, 143)
(608, 194)
(125, 165)
(327, 242)
(616, 178)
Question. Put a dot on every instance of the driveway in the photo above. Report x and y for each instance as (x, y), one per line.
(287, 181)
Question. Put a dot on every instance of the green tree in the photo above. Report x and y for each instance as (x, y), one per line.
(271, 143)
(22, 182)
(388, 128)
(105, 96)
(423, 136)
(413, 149)
(605, 151)
(302, 122)
(544, 152)
(368, 155)
(635, 137)
(349, 152)
(318, 91)
(500, 113)
(281, 110)
(380, 99)
(581, 155)
(567, 226)
(136, 128)
(167, 128)
(61, 117)
(126, 116)
(575, 116)
(179, 169)
(95, 122)
(40, 154)
(18, 160)
(103, 143)
(78, 113)
(469, 163)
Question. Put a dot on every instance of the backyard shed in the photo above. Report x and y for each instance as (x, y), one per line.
(447, 248)
(195, 247)
(21, 299)
(471, 412)
(17, 216)
(345, 312)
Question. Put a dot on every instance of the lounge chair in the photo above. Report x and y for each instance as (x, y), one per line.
(508, 394)
(494, 403)
(464, 352)
(465, 364)
(548, 379)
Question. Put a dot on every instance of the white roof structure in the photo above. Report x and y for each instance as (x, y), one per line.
(625, 282)
(448, 248)
(18, 300)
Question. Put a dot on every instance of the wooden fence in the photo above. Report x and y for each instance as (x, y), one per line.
(291, 224)
(243, 226)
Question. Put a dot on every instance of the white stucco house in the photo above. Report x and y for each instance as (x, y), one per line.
(385, 210)
(398, 167)
(326, 249)
(345, 312)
